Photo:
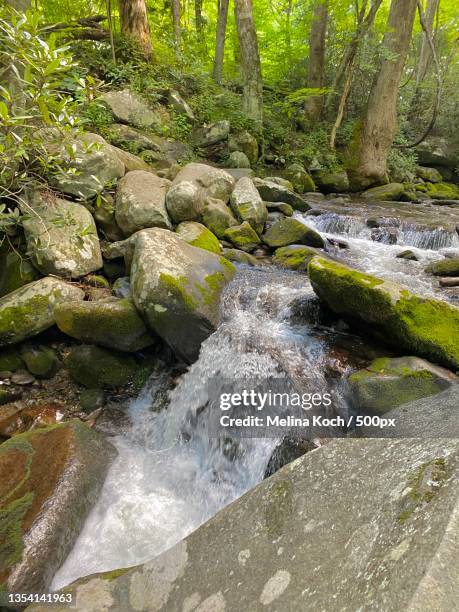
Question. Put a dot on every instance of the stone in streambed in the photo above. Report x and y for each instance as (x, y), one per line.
(449, 282)
(294, 257)
(41, 361)
(95, 367)
(445, 267)
(391, 191)
(424, 326)
(247, 204)
(291, 231)
(300, 179)
(282, 207)
(387, 383)
(272, 191)
(198, 235)
(331, 181)
(243, 236)
(408, 255)
(240, 257)
(217, 217)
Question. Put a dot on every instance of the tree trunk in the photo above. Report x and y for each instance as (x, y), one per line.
(176, 17)
(19, 5)
(134, 22)
(367, 156)
(220, 40)
(316, 68)
(426, 52)
(199, 23)
(252, 98)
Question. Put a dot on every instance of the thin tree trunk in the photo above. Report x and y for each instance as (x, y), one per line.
(252, 99)
(220, 40)
(134, 22)
(110, 29)
(176, 22)
(426, 51)
(367, 156)
(198, 20)
(316, 68)
(19, 5)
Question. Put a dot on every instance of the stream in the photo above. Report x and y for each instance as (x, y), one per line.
(171, 475)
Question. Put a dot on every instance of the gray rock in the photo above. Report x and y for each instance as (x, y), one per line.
(247, 205)
(438, 151)
(122, 287)
(179, 104)
(130, 138)
(271, 191)
(217, 217)
(331, 182)
(432, 175)
(300, 179)
(212, 134)
(245, 142)
(141, 202)
(238, 173)
(238, 159)
(291, 231)
(198, 235)
(243, 236)
(240, 257)
(129, 108)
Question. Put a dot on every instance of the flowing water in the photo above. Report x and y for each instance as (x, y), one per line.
(171, 475)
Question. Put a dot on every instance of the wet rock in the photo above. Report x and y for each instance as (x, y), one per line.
(95, 367)
(217, 217)
(198, 235)
(10, 360)
(449, 282)
(247, 205)
(291, 231)
(238, 159)
(444, 267)
(113, 324)
(294, 257)
(15, 272)
(442, 191)
(386, 235)
(62, 237)
(243, 236)
(240, 257)
(128, 107)
(122, 287)
(41, 361)
(18, 417)
(22, 378)
(338, 243)
(424, 326)
(30, 310)
(50, 479)
(429, 174)
(408, 254)
(179, 104)
(7, 394)
(91, 399)
(331, 182)
(391, 191)
(282, 207)
(271, 191)
(141, 202)
(300, 179)
(387, 383)
(286, 452)
(245, 142)
(273, 217)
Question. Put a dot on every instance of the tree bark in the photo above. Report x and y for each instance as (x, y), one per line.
(220, 40)
(426, 51)
(134, 22)
(252, 97)
(198, 20)
(316, 77)
(19, 5)
(367, 156)
(176, 17)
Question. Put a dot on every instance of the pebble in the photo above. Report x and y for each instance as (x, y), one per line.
(22, 377)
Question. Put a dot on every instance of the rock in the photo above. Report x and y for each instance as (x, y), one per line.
(131, 162)
(61, 237)
(292, 231)
(437, 151)
(10, 360)
(424, 326)
(15, 272)
(95, 367)
(198, 235)
(217, 217)
(279, 180)
(128, 107)
(212, 134)
(41, 361)
(442, 191)
(131, 139)
(274, 217)
(88, 162)
(91, 399)
(30, 310)
(331, 182)
(286, 452)
(240, 257)
(238, 173)
(178, 104)
(122, 287)
(245, 142)
(449, 282)
(114, 269)
(396, 552)
(176, 287)
(294, 257)
(192, 186)
(238, 159)
(113, 324)
(391, 191)
(444, 267)
(22, 378)
(386, 235)
(104, 216)
(387, 383)
(282, 207)
(300, 179)
(408, 254)
(247, 204)
(243, 236)
(429, 174)
(141, 202)
(21, 416)
(275, 192)
(96, 280)
(7, 395)
(50, 479)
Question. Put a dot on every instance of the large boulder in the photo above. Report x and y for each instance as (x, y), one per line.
(442, 191)
(30, 310)
(128, 107)
(272, 191)
(141, 202)
(387, 383)
(245, 142)
(437, 151)
(217, 217)
(49, 480)
(212, 134)
(332, 181)
(114, 323)
(247, 205)
(243, 236)
(238, 159)
(61, 236)
(300, 179)
(424, 326)
(131, 162)
(190, 188)
(15, 272)
(444, 267)
(95, 367)
(179, 104)
(291, 231)
(432, 175)
(198, 235)
(177, 287)
(294, 257)
(391, 191)
(353, 525)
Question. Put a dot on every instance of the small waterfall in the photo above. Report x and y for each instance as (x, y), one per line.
(428, 239)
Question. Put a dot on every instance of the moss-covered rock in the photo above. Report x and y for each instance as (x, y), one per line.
(432, 175)
(243, 236)
(238, 159)
(10, 360)
(247, 205)
(442, 191)
(407, 254)
(30, 310)
(424, 326)
(198, 235)
(391, 191)
(131, 139)
(387, 383)
(91, 399)
(96, 368)
(282, 207)
(245, 142)
(130, 108)
(217, 217)
(15, 272)
(114, 324)
(41, 361)
(276, 191)
(444, 267)
(240, 257)
(332, 181)
(294, 257)
(49, 480)
(291, 231)
(300, 179)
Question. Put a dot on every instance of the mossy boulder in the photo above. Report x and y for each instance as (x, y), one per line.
(245, 142)
(198, 235)
(431, 175)
(301, 180)
(282, 207)
(131, 139)
(41, 361)
(238, 159)
(217, 217)
(272, 190)
(291, 231)
(177, 287)
(141, 202)
(247, 205)
(442, 191)
(61, 236)
(424, 326)
(391, 191)
(294, 257)
(240, 257)
(444, 267)
(212, 134)
(243, 236)
(128, 107)
(437, 151)
(408, 255)
(104, 216)
(10, 360)
(30, 310)
(95, 367)
(15, 272)
(114, 323)
(49, 480)
(328, 181)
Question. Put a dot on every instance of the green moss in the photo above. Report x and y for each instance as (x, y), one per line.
(11, 543)
(243, 236)
(113, 574)
(10, 360)
(41, 361)
(95, 367)
(423, 486)
(178, 289)
(442, 191)
(445, 267)
(15, 272)
(293, 257)
(16, 319)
